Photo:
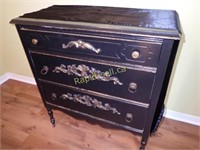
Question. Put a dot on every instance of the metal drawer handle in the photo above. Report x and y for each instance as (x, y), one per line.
(135, 54)
(129, 117)
(132, 87)
(84, 71)
(34, 41)
(90, 102)
(81, 44)
(44, 70)
(53, 96)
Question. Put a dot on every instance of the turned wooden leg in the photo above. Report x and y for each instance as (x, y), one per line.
(52, 120)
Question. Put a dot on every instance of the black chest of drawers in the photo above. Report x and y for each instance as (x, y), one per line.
(109, 64)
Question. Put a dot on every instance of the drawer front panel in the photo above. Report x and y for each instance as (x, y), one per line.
(130, 84)
(116, 49)
(121, 113)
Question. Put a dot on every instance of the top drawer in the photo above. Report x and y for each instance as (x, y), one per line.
(108, 48)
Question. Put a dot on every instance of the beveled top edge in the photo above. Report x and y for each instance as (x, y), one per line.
(127, 30)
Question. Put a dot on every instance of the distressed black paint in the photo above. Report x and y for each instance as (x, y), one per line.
(132, 99)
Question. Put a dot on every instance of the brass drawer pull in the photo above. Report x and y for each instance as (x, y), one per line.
(54, 96)
(129, 117)
(135, 54)
(81, 44)
(44, 70)
(90, 102)
(34, 41)
(84, 71)
(132, 87)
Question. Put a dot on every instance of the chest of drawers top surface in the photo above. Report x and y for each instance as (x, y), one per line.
(160, 23)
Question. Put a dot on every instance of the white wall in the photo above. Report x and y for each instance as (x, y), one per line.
(183, 92)
(1, 50)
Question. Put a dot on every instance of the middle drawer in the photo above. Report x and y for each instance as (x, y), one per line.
(131, 84)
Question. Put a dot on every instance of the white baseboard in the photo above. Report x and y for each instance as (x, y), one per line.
(168, 113)
(4, 78)
(17, 77)
(182, 117)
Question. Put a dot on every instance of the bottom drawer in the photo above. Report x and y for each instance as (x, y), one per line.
(114, 112)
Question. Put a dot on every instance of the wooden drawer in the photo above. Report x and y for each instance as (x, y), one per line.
(105, 48)
(128, 116)
(134, 84)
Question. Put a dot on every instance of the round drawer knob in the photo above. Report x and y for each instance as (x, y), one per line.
(34, 41)
(129, 117)
(135, 54)
(132, 87)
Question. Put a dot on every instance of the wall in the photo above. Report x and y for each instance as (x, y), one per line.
(183, 92)
(1, 49)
